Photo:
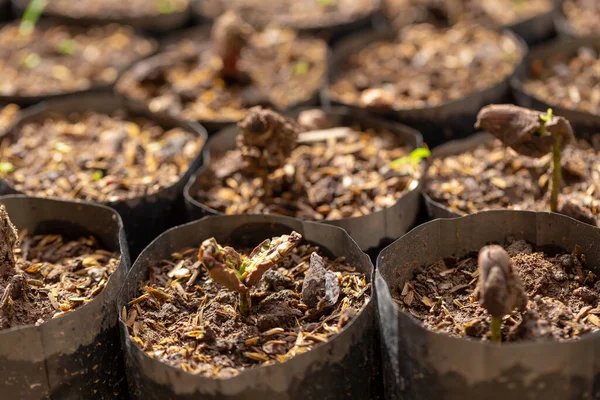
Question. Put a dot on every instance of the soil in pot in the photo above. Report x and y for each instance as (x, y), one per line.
(239, 69)
(581, 17)
(96, 157)
(8, 114)
(567, 80)
(115, 9)
(46, 276)
(425, 67)
(189, 313)
(309, 168)
(299, 14)
(492, 176)
(58, 59)
(495, 14)
(562, 296)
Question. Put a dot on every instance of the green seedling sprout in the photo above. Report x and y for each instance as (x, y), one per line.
(97, 175)
(31, 61)
(6, 167)
(414, 158)
(499, 289)
(166, 6)
(326, 3)
(239, 273)
(301, 68)
(32, 14)
(67, 46)
(530, 133)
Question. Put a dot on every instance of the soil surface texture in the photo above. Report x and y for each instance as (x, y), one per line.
(582, 17)
(188, 321)
(96, 157)
(57, 59)
(492, 176)
(562, 296)
(425, 66)
(115, 9)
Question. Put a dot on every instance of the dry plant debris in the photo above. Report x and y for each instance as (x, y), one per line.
(426, 66)
(96, 157)
(492, 176)
(562, 296)
(339, 172)
(567, 80)
(185, 319)
(56, 59)
(7, 116)
(46, 276)
(582, 16)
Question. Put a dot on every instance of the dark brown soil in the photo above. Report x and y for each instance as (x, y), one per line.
(582, 17)
(330, 179)
(497, 13)
(492, 176)
(186, 320)
(114, 9)
(56, 276)
(283, 70)
(567, 80)
(299, 14)
(56, 59)
(425, 66)
(563, 296)
(96, 157)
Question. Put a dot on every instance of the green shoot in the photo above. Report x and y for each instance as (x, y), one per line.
(556, 173)
(97, 175)
(301, 68)
(414, 158)
(32, 14)
(67, 46)
(326, 3)
(166, 6)
(6, 167)
(496, 329)
(31, 61)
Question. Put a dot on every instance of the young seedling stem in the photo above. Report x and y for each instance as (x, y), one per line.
(496, 329)
(556, 174)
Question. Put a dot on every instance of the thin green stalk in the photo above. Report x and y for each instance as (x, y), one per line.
(245, 303)
(496, 330)
(556, 175)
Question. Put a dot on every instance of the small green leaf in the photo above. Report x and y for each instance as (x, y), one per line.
(6, 167)
(97, 175)
(413, 158)
(32, 14)
(546, 117)
(301, 68)
(31, 61)
(327, 3)
(166, 7)
(542, 131)
(67, 46)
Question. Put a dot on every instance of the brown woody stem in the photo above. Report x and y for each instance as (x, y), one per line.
(556, 175)
(245, 303)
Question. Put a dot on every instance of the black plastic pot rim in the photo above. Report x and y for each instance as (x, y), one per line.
(382, 286)
(33, 100)
(359, 41)
(336, 111)
(563, 46)
(118, 102)
(122, 249)
(322, 24)
(252, 218)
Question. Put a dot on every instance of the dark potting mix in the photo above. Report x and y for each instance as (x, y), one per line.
(46, 276)
(56, 59)
(561, 300)
(497, 13)
(308, 168)
(568, 80)
(425, 66)
(300, 14)
(115, 9)
(493, 176)
(95, 157)
(216, 311)
(238, 68)
(582, 17)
